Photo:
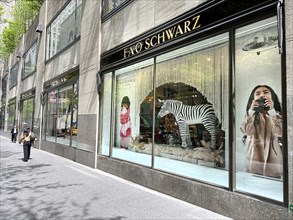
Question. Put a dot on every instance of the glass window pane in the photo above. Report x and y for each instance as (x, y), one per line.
(45, 115)
(110, 5)
(74, 123)
(78, 18)
(27, 113)
(11, 116)
(191, 130)
(13, 75)
(2, 117)
(64, 29)
(106, 114)
(259, 159)
(63, 119)
(30, 60)
(4, 87)
(133, 113)
(51, 117)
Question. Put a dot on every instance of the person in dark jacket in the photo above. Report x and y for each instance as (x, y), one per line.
(14, 132)
(27, 138)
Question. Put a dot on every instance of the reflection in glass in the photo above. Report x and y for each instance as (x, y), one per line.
(2, 116)
(110, 5)
(27, 113)
(74, 121)
(64, 29)
(63, 118)
(30, 60)
(61, 115)
(13, 75)
(259, 160)
(51, 116)
(11, 115)
(192, 121)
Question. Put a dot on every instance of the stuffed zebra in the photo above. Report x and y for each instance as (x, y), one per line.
(187, 115)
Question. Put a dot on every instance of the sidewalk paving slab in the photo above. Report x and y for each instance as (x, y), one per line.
(53, 187)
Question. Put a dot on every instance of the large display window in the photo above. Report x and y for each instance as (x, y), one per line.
(192, 120)
(133, 104)
(61, 111)
(186, 139)
(258, 86)
(171, 112)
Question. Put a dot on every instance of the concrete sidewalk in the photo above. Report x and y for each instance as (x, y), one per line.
(52, 187)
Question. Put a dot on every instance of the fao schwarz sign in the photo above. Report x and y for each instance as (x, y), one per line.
(169, 34)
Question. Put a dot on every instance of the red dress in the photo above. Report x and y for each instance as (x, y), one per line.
(125, 128)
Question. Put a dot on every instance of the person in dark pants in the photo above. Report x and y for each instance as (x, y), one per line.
(14, 132)
(26, 138)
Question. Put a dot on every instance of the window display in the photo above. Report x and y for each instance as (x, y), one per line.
(182, 122)
(186, 115)
(192, 85)
(133, 112)
(171, 112)
(259, 150)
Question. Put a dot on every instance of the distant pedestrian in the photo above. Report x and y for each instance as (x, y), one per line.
(14, 132)
(27, 138)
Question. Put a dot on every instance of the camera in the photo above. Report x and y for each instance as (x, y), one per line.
(261, 105)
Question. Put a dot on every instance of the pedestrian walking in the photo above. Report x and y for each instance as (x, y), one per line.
(14, 133)
(27, 138)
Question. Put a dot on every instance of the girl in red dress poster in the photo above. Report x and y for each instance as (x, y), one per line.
(125, 123)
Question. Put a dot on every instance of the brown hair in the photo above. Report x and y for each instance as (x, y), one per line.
(277, 104)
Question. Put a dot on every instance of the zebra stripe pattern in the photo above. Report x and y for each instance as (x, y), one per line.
(187, 115)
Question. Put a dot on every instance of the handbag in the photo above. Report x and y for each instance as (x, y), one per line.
(32, 137)
(20, 139)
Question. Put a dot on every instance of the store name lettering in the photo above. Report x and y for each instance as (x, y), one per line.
(167, 35)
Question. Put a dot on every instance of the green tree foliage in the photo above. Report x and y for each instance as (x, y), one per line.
(1, 12)
(23, 14)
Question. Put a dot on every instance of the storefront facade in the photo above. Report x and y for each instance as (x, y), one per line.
(177, 120)
(160, 93)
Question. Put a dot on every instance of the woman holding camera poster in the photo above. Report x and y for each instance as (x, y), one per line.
(262, 130)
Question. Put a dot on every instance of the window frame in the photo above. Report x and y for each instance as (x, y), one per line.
(56, 84)
(15, 66)
(48, 31)
(23, 76)
(114, 11)
(231, 131)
